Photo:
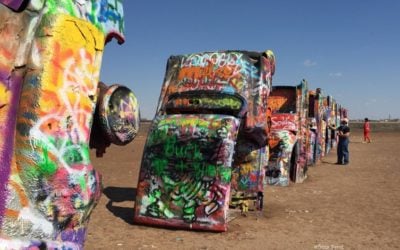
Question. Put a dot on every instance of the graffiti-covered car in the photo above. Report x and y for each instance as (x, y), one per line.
(208, 100)
(330, 122)
(317, 114)
(289, 134)
(334, 123)
(313, 133)
(50, 58)
(316, 149)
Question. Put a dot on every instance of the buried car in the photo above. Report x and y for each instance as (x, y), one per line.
(289, 134)
(50, 58)
(208, 100)
(316, 149)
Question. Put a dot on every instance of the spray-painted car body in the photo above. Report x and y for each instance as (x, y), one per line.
(289, 134)
(319, 111)
(313, 134)
(334, 122)
(329, 121)
(317, 123)
(50, 57)
(207, 100)
(248, 175)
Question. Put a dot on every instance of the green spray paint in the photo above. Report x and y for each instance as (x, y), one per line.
(47, 167)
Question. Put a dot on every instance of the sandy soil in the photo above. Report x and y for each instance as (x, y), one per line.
(337, 207)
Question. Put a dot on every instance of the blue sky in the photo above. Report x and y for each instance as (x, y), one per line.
(349, 48)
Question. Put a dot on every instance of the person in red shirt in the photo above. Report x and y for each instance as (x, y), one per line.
(367, 129)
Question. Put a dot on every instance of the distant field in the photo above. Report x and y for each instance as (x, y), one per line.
(377, 126)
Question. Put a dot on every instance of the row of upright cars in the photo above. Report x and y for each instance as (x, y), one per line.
(302, 131)
(221, 132)
(218, 135)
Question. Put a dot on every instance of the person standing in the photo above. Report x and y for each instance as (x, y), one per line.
(367, 129)
(343, 144)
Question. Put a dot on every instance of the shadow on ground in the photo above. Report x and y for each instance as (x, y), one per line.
(329, 162)
(120, 194)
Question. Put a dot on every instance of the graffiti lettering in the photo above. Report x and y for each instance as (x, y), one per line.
(213, 71)
(286, 122)
(198, 78)
(206, 102)
(218, 59)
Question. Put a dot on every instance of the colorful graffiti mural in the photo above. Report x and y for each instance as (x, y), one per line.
(50, 57)
(208, 101)
(289, 134)
(188, 162)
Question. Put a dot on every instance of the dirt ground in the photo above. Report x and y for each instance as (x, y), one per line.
(337, 207)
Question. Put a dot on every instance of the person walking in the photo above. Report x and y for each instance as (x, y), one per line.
(367, 129)
(343, 144)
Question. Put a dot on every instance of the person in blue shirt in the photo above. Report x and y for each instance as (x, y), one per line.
(343, 144)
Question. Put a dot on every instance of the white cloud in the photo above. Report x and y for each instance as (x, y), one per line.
(337, 74)
(309, 63)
